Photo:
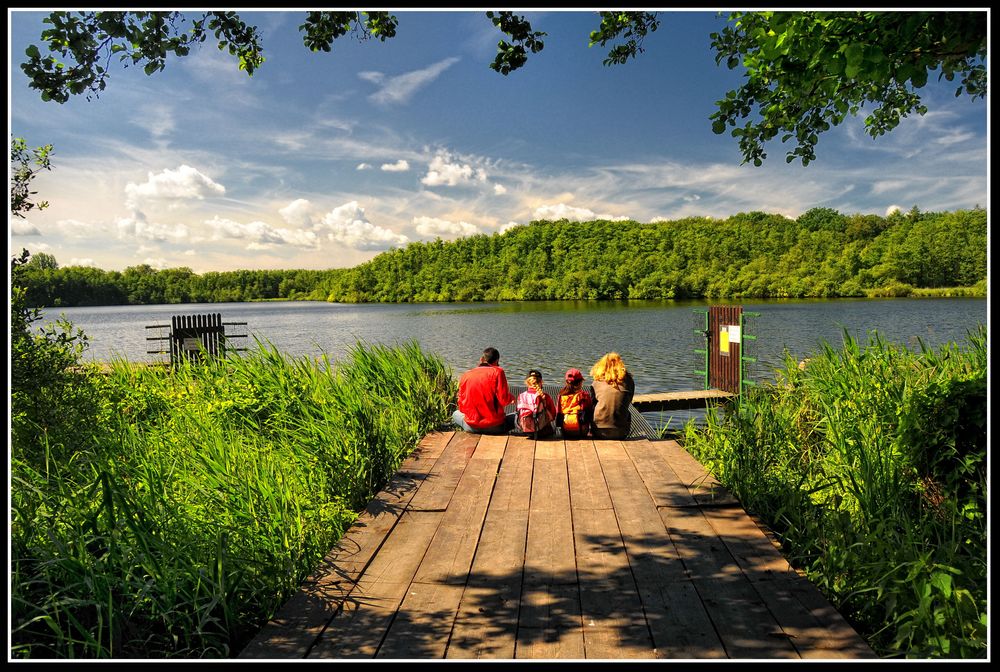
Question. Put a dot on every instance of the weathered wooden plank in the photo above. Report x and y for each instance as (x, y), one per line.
(586, 478)
(677, 620)
(449, 556)
(614, 625)
(662, 483)
(379, 589)
(512, 490)
(486, 623)
(423, 622)
(356, 631)
(746, 627)
(682, 399)
(490, 447)
(705, 489)
(487, 619)
(549, 556)
(549, 623)
(439, 485)
(813, 626)
(653, 558)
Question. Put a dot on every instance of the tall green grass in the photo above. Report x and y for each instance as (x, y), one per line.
(870, 464)
(187, 507)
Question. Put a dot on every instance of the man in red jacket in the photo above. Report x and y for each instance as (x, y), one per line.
(482, 395)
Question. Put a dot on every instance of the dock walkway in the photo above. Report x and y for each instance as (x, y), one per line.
(502, 547)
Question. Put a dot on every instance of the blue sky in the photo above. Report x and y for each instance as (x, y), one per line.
(324, 160)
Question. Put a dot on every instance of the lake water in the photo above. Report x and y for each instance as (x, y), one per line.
(657, 339)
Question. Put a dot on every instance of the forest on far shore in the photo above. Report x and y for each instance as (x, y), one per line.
(821, 254)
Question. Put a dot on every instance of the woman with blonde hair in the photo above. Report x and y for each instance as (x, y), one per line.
(613, 392)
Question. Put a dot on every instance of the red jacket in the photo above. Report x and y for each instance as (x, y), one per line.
(482, 395)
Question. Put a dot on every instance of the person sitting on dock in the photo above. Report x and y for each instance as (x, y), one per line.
(575, 406)
(536, 412)
(613, 390)
(483, 394)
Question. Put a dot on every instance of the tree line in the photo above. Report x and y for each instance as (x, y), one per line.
(821, 254)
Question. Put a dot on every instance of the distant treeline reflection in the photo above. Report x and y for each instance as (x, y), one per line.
(822, 254)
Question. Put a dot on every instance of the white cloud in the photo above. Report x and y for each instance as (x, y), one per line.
(74, 228)
(399, 167)
(442, 172)
(891, 209)
(261, 235)
(364, 166)
(22, 227)
(508, 226)
(573, 214)
(499, 189)
(138, 227)
(433, 227)
(83, 261)
(159, 263)
(401, 88)
(158, 120)
(184, 184)
(298, 213)
(348, 226)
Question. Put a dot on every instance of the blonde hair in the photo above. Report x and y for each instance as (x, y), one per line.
(534, 382)
(610, 368)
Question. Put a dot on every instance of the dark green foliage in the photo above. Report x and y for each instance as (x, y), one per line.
(514, 54)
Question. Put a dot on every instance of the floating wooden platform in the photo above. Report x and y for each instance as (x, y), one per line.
(501, 547)
(686, 399)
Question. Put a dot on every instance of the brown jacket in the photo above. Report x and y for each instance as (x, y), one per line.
(611, 413)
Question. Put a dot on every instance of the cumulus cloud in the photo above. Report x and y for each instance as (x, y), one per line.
(399, 89)
(138, 227)
(433, 227)
(499, 189)
(400, 166)
(183, 184)
(891, 209)
(348, 226)
(573, 214)
(298, 213)
(508, 226)
(442, 172)
(22, 227)
(364, 166)
(261, 235)
(83, 261)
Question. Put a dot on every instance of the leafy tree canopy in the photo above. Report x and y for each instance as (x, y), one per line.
(25, 164)
(806, 70)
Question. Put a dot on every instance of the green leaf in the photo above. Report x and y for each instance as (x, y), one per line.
(942, 581)
(32, 52)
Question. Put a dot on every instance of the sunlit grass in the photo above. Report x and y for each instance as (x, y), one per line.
(196, 499)
(870, 464)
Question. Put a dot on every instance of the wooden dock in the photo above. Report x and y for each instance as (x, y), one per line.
(685, 399)
(501, 547)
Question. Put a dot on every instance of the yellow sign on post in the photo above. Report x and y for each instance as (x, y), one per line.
(724, 342)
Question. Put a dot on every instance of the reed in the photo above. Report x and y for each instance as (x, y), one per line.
(194, 500)
(870, 465)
